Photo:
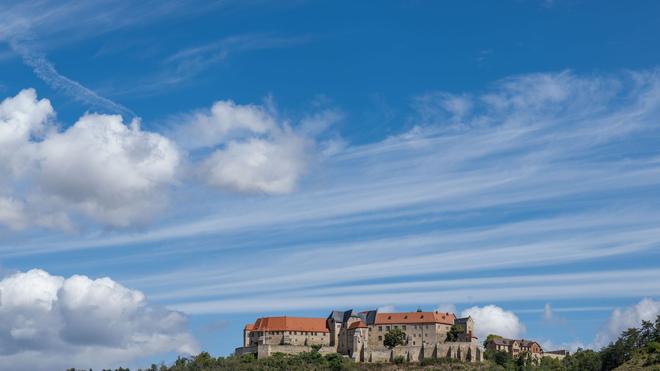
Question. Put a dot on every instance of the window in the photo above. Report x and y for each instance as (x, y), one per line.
(380, 328)
(404, 328)
(380, 338)
(396, 327)
(387, 328)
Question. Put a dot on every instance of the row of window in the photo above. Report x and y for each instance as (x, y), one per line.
(380, 337)
(288, 333)
(403, 327)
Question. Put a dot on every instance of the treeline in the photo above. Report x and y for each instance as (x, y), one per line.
(635, 349)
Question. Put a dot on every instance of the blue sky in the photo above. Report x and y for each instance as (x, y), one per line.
(498, 159)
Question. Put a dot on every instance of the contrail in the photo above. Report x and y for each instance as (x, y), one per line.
(47, 72)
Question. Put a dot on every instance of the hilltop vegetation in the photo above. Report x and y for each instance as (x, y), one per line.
(635, 349)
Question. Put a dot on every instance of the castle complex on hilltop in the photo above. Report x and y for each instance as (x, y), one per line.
(361, 336)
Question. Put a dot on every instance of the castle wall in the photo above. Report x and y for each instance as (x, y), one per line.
(289, 338)
(267, 350)
(465, 351)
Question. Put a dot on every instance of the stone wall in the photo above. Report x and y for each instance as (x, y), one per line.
(288, 338)
(465, 351)
(267, 350)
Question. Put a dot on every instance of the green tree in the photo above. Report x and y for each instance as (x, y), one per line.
(335, 361)
(499, 357)
(453, 333)
(394, 337)
(490, 338)
(550, 364)
(583, 360)
(525, 361)
(316, 348)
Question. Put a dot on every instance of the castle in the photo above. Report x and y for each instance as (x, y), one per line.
(360, 336)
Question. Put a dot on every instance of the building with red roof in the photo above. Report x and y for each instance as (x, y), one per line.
(361, 335)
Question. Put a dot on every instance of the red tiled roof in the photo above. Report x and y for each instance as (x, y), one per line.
(249, 326)
(289, 324)
(358, 324)
(415, 317)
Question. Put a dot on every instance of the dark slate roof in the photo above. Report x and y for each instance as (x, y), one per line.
(337, 315)
(369, 317)
(461, 320)
(342, 316)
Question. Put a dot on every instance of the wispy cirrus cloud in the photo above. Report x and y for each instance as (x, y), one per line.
(187, 65)
(540, 170)
(592, 287)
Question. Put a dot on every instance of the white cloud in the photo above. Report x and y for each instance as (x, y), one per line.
(49, 322)
(491, 319)
(107, 170)
(12, 213)
(224, 121)
(621, 320)
(547, 312)
(21, 118)
(117, 174)
(258, 165)
(254, 151)
(99, 167)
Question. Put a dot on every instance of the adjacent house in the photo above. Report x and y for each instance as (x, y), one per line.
(516, 346)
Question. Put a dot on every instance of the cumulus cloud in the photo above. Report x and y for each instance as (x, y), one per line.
(118, 174)
(108, 170)
(491, 319)
(252, 149)
(22, 118)
(50, 322)
(621, 320)
(99, 167)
